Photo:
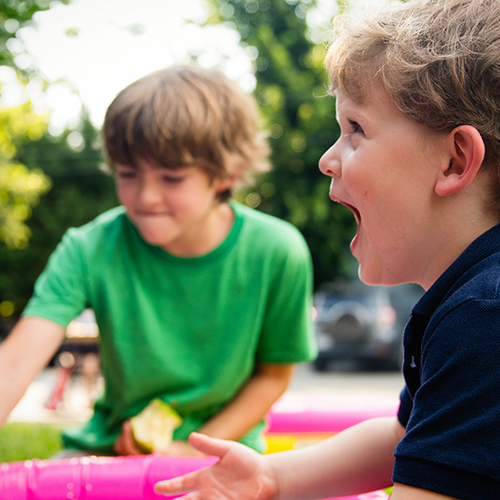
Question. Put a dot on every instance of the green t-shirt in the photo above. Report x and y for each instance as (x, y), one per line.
(187, 330)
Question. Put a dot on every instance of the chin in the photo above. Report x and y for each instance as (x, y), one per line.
(371, 279)
(384, 279)
(153, 240)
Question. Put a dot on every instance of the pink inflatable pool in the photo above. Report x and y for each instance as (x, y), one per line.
(293, 414)
(117, 478)
(293, 422)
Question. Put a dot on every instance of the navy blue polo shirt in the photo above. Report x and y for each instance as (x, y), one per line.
(451, 403)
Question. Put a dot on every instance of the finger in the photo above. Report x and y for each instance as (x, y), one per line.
(210, 446)
(179, 484)
(181, 448)
(118, 446)
(193, 495)
(128, 446)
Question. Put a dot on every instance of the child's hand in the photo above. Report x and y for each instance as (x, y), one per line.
(240, 473)
(125, 444)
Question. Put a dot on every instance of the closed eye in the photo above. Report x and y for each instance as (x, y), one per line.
(127, 174)
(171, 179)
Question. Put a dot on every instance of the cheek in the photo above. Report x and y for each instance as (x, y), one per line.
(124, 193)
(120, 193)
(358, 184)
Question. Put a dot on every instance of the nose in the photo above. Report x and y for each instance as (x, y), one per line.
(149, 193)
(329, 163)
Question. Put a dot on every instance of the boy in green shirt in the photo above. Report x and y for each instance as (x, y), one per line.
(200, 301)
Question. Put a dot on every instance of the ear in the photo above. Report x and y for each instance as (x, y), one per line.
(466, 148)
(224, 184)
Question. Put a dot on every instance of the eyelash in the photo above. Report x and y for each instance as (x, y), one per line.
(356, 128)
(172, 180)
(132, 175)
(126, 175)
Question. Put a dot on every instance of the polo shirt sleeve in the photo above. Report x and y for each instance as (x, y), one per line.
(60, 292)
(452, 439)
(405, 407)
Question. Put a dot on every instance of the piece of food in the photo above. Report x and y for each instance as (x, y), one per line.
(154, 426)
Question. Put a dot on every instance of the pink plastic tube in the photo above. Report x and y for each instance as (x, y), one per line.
(113, 478)
(133, 478)
(310, 415)
(93, 478)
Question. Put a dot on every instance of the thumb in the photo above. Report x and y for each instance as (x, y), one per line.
(210, 446)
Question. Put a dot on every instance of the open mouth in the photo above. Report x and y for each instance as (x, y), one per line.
(354, 210)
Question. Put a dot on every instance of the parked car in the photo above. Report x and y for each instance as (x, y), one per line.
(360, 322)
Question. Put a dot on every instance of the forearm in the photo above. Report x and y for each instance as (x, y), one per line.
(10, 389)
(357, 460)
(254, 400)
(26, 351)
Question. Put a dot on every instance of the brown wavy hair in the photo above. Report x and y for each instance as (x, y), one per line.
(186, 115)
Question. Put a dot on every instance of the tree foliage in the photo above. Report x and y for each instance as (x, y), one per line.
(292, 90)
(31, 162)
(80, 191)
(14, 14)
(20, 187)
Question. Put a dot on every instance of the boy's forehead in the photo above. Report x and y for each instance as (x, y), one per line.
(346, 104)
(148, 164)
(373, 99)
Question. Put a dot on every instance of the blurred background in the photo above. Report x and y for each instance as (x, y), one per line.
(63, 61)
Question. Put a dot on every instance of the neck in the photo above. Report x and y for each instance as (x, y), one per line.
(209, 234)
(451, 241)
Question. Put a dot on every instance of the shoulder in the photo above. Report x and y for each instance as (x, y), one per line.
(104, 225)
(97, 238)
(468, 319)
(269, 230)
(478, 285)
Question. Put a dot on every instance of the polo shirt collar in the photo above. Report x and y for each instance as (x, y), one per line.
(481, 248)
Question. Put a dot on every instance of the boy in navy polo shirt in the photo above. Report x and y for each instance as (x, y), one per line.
(417, 162)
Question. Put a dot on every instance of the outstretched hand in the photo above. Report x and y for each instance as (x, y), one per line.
(240, 473)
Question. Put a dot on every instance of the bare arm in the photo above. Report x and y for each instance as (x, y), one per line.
(357, 460)
(243, 413)
(27, 350)
(254, 400)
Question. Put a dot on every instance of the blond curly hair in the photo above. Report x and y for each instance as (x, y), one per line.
(438, 60)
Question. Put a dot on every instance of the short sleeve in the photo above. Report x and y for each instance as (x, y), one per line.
(405, 407)
(60, 292)
(287, 330)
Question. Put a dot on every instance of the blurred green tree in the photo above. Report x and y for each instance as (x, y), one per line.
(32, 161)
(20, 188)
(292, 89)
(14, 14)
(80, 191)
